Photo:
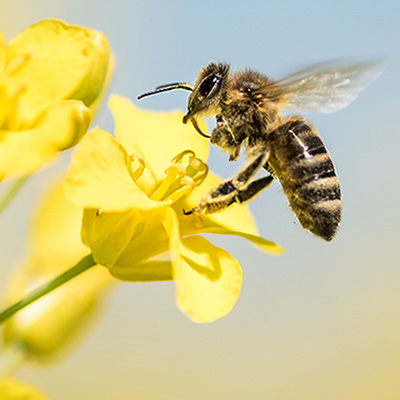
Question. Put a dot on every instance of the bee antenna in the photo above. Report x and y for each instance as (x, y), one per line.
(167, 87)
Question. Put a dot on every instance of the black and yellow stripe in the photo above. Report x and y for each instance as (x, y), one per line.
(305, 170)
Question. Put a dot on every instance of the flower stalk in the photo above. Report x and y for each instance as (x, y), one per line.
(84, 264)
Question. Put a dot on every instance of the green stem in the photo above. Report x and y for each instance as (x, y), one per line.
(11, 191)
(83, 265)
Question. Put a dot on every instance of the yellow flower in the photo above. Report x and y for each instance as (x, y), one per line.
(50, 74)
(134, 197)
(45, 327)
(11, 389)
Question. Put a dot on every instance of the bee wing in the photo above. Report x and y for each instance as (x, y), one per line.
(328, 88)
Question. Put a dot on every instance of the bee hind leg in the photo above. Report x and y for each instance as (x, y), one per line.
(253, 189)
(238, 189)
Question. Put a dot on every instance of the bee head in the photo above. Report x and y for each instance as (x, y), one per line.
(206, 95)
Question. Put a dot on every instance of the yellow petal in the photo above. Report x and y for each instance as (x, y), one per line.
(107, 234)
(62, 126)
(207, 278)
(202, 224)
(98, 102)
(124, 241)
(61, 61)
(148, 271)
(157, 136)
(100, 176)
(12, 389)
(260, 242)
(236, 217)
(150, 239)
(235, 220)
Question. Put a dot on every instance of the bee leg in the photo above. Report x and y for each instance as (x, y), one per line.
(253, 189)
(237, 189)
(223, 137)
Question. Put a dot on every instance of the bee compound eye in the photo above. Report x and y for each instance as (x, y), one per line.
(210, 84)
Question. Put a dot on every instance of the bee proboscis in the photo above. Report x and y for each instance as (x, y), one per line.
(247, 107)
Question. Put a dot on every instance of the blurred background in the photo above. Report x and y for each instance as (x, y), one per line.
(320, 321)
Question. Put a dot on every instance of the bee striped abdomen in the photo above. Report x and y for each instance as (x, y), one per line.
(307, 175)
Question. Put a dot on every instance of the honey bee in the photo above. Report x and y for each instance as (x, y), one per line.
(247, 105)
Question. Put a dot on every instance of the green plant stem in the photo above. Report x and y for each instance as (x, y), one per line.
(11, 191)
(83, 265)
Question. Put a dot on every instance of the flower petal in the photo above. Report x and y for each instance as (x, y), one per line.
(107, 234)
(98, 102)
(236, 217)
(157, 136)
(149, 240)
(149, 271)
(12, 389)
(208, 280)
(58, 61)
(260, 242)
(100, 176)
(62, 126)
(235, 220)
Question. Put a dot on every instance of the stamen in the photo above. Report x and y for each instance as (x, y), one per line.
(181, 177)
(187, 186)
(179, 157)
(137, 173)
(197, 169)
(173, 171)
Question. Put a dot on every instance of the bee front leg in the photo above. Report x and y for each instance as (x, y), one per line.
(238, 189)
(222, 136)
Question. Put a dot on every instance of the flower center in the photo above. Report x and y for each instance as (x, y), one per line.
(182, 176)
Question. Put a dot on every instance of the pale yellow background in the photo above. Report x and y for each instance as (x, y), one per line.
(319, 322)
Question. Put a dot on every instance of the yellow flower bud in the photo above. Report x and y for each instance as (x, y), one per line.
(50, 75)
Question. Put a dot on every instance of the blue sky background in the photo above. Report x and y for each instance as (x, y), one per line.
(319, 321)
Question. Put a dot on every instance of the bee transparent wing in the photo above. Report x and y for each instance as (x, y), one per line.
(328, 88)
